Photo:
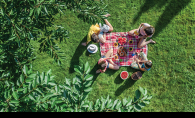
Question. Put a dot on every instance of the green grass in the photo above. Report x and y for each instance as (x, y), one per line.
(171, 79)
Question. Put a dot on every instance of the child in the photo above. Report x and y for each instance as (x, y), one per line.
(145, 30)
(146, 64)
(97, 32)
(106, 62)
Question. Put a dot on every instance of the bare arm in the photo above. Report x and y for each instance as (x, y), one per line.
(103, 39)
(142, 69)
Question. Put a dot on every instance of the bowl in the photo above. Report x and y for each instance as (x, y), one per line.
(124, 75)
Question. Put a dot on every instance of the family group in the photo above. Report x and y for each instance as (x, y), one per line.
(97, 33)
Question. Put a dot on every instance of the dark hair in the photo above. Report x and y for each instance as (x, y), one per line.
(148, 64)
(149, 30)
(100, 65)
(94, 38)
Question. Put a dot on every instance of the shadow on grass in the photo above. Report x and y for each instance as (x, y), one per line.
(79, 51)
(171, 10)
(128, 83)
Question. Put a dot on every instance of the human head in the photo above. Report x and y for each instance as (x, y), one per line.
(149, 30)
(148, 64)
(102, 65)
(95, 38)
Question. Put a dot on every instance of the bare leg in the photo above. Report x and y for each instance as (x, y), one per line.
(143, 42)
(109, 53)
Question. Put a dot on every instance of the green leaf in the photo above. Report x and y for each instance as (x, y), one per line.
(88, 77)
(74, 80)
(42, 76)
(87, 83)
(30, 86)
(138, 94)
(88, 89)
(34, 83)
(109, 104)
(129, 103)
(11, 39)
(137, 108)
(14, 101)
(145, 92)
(21, 78)
(67, 81)
(15, 95)
(31, 12)
(142, 104)
(17, 27)
(38, 80)
(146, 101)
(7, 83)
(149, 97)
(32, 76)
(38, 10)
(124, 101)
(52, 83)
(102, 105)
(118, 105)
(85, 105)
(49, 72)
(46, 10)
(25, 69)
(87, 68)
(57, 89)
(77, 69)
(31, 97)
(29, 80)
(115, 102)
(47, 78)
(141, 90)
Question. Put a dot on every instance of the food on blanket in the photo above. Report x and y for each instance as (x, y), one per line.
(121, 60)
(122, 52)
(115, 57)
(130, 49)
(130, 41)
(122, 40)
(115, 44)
(136, 33)
(124, 75)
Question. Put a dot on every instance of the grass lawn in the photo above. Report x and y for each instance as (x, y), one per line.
(171, 80)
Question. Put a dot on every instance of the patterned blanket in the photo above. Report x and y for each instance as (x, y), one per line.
(132, 42)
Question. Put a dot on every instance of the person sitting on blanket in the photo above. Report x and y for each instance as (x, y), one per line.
(97, 32)
(146, 64)
(106, 62)
(145, 30)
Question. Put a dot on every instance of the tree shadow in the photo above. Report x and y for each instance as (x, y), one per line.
(79, 51)
(128, 83)
(171, 10)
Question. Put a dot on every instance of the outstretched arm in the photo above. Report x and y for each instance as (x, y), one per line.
(103, 39)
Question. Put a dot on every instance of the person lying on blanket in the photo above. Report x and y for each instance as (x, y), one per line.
(106, 62)
(97, 32)
(146, 64)
(145, 30)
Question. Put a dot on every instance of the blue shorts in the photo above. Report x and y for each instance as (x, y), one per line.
(103, 56)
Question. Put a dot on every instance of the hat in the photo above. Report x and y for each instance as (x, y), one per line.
(92, 48)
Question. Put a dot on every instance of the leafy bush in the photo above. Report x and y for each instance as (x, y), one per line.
(39, 92)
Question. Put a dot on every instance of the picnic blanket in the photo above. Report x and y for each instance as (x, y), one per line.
(111, 38)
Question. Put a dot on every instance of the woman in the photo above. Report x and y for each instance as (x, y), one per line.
(141, 58)
(145, 30)
(106, 62)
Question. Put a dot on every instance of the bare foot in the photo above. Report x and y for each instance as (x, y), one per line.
(152, 41)
(84, 44)
(107, 15)
(98, 71)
